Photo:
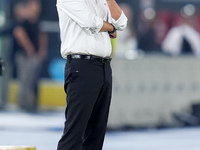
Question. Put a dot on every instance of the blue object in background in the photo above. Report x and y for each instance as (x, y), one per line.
(56, 69)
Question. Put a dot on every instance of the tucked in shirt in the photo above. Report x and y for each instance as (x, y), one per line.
(80, 22)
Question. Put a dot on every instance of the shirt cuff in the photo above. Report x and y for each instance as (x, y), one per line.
(98, 25)
(121, 23)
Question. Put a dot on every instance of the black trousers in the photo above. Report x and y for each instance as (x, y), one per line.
(88, 85)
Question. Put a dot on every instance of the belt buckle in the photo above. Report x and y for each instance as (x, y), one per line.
(76, 56)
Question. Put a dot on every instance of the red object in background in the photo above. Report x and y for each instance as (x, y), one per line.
(165, 20)
(198, 23)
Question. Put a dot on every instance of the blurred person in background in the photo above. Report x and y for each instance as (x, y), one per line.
(183, 38)
(86, 28)
(10, 48)
(30, 56)
(126, 40)
(20, 15)
(147, 39)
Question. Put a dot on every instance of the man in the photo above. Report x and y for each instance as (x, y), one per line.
(32, 51)
(86, 27)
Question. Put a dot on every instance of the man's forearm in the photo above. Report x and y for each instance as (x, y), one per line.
(106, 27)
(114, 9)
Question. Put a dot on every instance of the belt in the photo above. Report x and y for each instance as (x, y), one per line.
(89, 57)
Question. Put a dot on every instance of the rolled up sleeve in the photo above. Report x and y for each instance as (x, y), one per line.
(121, 23)
(79, 12)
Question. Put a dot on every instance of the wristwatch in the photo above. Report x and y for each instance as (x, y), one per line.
(114, 29)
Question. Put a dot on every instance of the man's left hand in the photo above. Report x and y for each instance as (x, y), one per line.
(114, 35)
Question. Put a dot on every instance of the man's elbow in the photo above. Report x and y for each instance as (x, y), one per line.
(121, 23)
(121, 27)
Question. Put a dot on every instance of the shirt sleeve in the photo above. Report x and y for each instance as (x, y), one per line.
(79, 12)
(121, 23)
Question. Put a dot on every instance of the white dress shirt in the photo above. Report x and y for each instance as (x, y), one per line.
(80, 22)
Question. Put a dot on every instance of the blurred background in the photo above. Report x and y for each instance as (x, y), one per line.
(156, 67)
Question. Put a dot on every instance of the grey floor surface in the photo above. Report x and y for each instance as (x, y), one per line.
(43, 131)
